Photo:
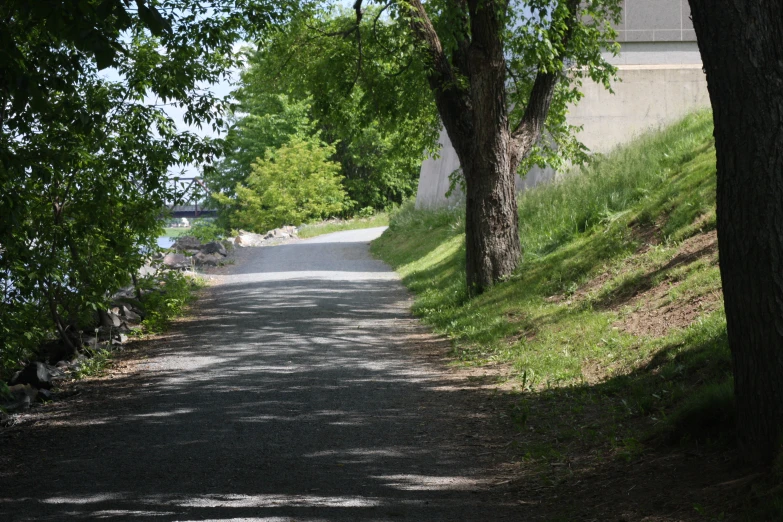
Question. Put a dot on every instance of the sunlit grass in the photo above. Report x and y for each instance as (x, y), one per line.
(559, 321)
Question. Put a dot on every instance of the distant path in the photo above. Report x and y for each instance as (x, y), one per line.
(296, 392)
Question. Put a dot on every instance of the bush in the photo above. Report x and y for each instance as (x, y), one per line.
(206, 231)
(166, 298)
(291, 185)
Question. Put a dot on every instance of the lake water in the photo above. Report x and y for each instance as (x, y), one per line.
(165, 242)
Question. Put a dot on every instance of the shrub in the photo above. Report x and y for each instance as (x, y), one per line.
(292, 184)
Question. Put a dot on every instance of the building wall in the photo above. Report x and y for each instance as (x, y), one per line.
(661, 80)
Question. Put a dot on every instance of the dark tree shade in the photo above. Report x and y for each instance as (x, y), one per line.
(741, 43)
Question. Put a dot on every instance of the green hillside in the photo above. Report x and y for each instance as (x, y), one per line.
(615, 312)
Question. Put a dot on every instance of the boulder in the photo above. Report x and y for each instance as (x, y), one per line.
(36, 374)
(186, 243)
(214, 247)
(203, 259)
(109, 318)
(130, 316)
(176, 261)
(248, 239)
(22, 396)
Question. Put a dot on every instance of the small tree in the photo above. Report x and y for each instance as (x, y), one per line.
(292, 184)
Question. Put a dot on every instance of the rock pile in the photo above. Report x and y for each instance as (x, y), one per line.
(34, 382)
(189, 252)
(249, 239)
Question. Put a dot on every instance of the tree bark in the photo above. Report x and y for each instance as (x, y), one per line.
(741, 43)
(470, 93)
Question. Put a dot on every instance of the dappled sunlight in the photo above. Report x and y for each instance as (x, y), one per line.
(429, 483)
(293, 393)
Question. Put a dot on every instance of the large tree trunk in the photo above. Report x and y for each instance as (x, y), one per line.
(741, 43)
(470, 92)
(491, 220)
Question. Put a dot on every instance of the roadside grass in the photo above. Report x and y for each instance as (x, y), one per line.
(173, 233)
(613, 327)
(166, 298)
(381, 219)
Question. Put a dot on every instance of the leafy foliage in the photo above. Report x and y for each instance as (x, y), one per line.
(84, 158)
(308, 79)
(292, 184)
(205, 230)
(166, 298)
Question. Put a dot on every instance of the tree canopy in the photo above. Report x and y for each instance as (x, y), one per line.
(310, 78)
(84, 158)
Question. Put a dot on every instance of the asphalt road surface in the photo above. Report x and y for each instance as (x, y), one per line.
(300, 390)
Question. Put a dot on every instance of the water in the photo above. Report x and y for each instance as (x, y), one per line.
(165, 242)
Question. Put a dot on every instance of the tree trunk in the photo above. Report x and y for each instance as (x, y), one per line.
(741, 43)
(485, 152)
(491, 221)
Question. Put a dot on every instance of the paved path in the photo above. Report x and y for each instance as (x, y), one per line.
(297, 392)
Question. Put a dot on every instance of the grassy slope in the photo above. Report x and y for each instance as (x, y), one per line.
(615, 312)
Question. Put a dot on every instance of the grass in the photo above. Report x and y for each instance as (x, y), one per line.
(615, 314)
(380, 219)
(550, 319)
(167, 299)
(174, 233)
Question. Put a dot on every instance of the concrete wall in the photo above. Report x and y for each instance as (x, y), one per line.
(648, 97)
(661, 80)
(656, 21)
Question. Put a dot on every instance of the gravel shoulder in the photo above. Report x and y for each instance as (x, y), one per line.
(300, 389)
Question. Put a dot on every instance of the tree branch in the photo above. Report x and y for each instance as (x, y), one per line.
(529, 128)
(453, 101)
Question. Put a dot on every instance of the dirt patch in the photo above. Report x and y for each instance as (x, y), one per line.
(655, 318)
(653, 313)
(645, 236)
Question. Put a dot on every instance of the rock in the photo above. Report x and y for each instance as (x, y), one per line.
(35, 374)
(63, 365)
(109, 319)
(130, 315)
(248, 239)
(176, 261)
(214, 247)
(56, 349)
(203, 259)
(22, 397)
(45, 395)
(133, 305)
(87, 340)
(186, 243)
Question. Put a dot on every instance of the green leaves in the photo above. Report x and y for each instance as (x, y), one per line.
(293, 184)
(307, 79)
(84, 156)
(152, 18)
